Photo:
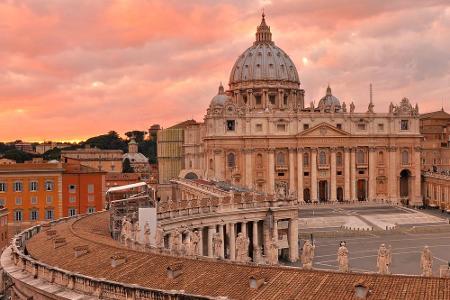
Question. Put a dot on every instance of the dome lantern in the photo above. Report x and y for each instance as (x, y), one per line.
(263, 34)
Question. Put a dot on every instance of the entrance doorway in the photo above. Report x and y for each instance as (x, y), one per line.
(340, 194)
(362, 189)
(405, 177)
(306, 195)
(323, 191)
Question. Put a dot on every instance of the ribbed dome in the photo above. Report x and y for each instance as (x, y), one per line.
(263, 61)
(328, 100)
(220, 98)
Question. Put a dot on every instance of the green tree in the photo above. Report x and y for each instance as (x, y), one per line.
(148, 148)
(127, 168)
(17, 155)
(5, 147)
(51, 154)
(111, 140)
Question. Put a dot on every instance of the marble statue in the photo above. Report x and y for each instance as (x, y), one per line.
(147, 233)
(241, 247)
(257, 256)
(344, 107)
(311, 106)
(137, 231)
(273, 252)
(176, 242)
(426, 262)
(217, 245)
(195, 240)
(124, 229)
(391, 108)
(186, 248)
(342, 257)
(307, 255)
(159, 237)
(384, 259)
(370, 108)
(352, 107)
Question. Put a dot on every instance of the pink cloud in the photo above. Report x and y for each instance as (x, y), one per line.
(73, 69)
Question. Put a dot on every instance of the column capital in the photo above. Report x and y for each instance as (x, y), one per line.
(247, 150)
(300, 149)
(418, 148)
(372, 149)
(270, 149)
(292, 149)
(333, 149)
(392, 148)
(313, 149)
(249, 91)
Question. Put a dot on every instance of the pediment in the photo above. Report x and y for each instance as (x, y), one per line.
(323, 130)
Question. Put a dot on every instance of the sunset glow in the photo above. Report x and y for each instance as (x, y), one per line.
(74, 69)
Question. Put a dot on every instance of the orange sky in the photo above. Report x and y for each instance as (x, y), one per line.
(74, 69)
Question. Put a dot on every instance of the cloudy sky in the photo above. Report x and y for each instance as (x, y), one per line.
(74, 69)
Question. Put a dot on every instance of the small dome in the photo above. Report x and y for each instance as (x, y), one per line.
(329, 100)
(220, 98)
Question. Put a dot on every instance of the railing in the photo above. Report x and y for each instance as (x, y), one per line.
(83, 283)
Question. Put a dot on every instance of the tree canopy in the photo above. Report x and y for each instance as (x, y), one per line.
(111, 140)
(138, 135)
(17, 155)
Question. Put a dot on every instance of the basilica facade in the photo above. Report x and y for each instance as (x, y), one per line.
(260, 135)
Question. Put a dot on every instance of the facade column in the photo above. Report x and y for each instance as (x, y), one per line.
(293, 239)
(346, 174)
(211, 232)
(417, 200)
(300, 175)
(333, 174)
(271, 183)
(218, 165)
(200, 243)
(244, 229)
(266, 237)
(255, 234)
(353, 174)
(275, 229)
(372, 174)
(291, 170)
(222, 237)
(313, 175)
(392, 179)
(232, 240)
(248, 168)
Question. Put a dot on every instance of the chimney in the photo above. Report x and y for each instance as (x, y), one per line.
(361, 290)
(118, 259)
(51, 233)
(81, 250)
(59, 242)
(256, 282)
(175, 270)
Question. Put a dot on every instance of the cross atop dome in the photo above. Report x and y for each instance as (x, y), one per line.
(263, 34)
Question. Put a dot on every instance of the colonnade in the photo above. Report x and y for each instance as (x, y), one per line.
(437, 190)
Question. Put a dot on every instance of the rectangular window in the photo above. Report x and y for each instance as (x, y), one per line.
(18, 200)
(285, 100)
(272, 99)
(34, 200)
(2, 186)
(33, 186)
(18, 215)
(49, 199)
(90, 188)
(404, 124)
(72, 199)
(72, 188)
(91, 197)
(281, 127)
(91, 210)
(306, 174)
(380, 127)
(2, 202)
(34, 215)
(72, 212)
(49, 214)
(259, 127)
(281, 174)
(258, 99)
(339, 126)
(361, 126)
(49, 185)
(305, 126)
(231, 125)
(18, 186)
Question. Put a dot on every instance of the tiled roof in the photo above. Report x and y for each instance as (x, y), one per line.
(77, 168)
(211, 278)
(30, 167)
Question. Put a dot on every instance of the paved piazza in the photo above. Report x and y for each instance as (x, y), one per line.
(406, 247)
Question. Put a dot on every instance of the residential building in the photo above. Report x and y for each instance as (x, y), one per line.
(4, 241)
(102, 160)
(435, 128)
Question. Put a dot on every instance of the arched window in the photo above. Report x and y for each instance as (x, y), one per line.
(360, 157)
(259, 160)
(380, 158)
(281, 160)
(339, 159)
(405, 157)
(231, 160)
(322, 158)
(211, 164)
(306, 159)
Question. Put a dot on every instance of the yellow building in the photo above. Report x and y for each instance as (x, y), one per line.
(31, 191)
(102, 160)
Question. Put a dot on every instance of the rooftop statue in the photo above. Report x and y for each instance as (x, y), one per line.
(307, 255)
(384, 259)
(342, 257)
(426, 262)
(195, 240)
(273, 252)
(159, 237)
(217, 245)
(147, 233)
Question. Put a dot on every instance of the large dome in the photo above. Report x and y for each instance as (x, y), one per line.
(263, 61)
(329, 100)
(220, 98)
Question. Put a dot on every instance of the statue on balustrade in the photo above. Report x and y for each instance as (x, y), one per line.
(242, 248)
(159, 237)
(147, 233)
(217, 245)
(195, 243)
(342, 257)
(176, 242)
(187, 249)
(136, 231)
(384, 259)
(308, 255)
(426, 262)
(257, 255)
(124, 233)
(352, 107)
(273, 252)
